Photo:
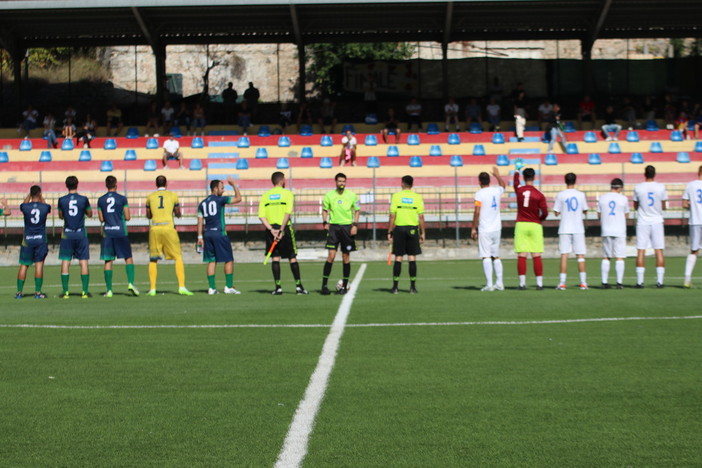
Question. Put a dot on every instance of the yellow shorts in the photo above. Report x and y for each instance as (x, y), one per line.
(528, 237)
(164, 243)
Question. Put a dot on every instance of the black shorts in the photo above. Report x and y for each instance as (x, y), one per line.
(340, 234)
(405, 241)
(287, 247)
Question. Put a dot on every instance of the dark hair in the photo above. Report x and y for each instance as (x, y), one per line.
(570, 178)
(71, 182)
(617, 183)
(484, 178)
(340, 175)
(276, 177)
(214, 184)
(110, 182)
(650, 172)
(35, 190)
(161, 181)
(528, 174)
(408, 180)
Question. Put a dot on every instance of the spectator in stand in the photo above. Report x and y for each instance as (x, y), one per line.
(252, 95)
(545, 113)
(167, 115)
(171, 150)
(182, 118)
(70, 112)
(285, 117)
(348, 149)
(493, 112)
(69, 129)
(304, 115)
(451, 114)
(327, 119)
(392, 125)
(229, 97)
(199, 119)
(555, 129)
(628, 114)
(369, 97)
(153, 119)
(91, 124)
(649, 108)
(473, 113)
(244, 117)
(520, 114)
(495, 91)
(586, 112)
(29, 121)
(518, 94)
(114, 120)
(85, 135)
(414, 115)
(698, 124)
(682, 123)
(669, 111)
(611, 128)
(50, 130)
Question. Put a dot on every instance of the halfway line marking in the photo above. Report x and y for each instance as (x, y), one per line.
(294, 447)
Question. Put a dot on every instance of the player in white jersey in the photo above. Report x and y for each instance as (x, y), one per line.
(487, 227)
(692, 200)
(571, 205)
(613, 209)
(650, 199)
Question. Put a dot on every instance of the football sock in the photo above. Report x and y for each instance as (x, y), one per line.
(689, 266)
(539, 280)
(108, 279)
(619, 269)
(275, 267)
(521, 266)
(604, 269)
(497, 266)
(562, 278)
(20, 285)
(660, 274)
(396, 271)
(295, 269)
(347, 273)
(130, 273)
(412, 272)
(583, 277)
(326, 272)
(64, 282)
(180, 272)
(211, 281)
(229, 280)
(640, 274)
(581, 269)
(538, 266)
(85, 281)
(153, 274)
(522, 280)
(38, 282)
(487, 269)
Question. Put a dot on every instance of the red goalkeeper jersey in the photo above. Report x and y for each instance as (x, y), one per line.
(531, 203)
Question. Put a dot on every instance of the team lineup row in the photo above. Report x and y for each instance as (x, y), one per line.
(340, 214)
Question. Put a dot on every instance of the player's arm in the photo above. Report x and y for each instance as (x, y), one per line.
(200, 241)
(515, 181)
(500, 180)
(685, 204)
(89, 211)
(28, 198)
(101, 217)
(127, 214)
(543, 208)
(325, 219)
(5, 207)
(422, 230)
(237, 193)
(176, 211)
(281, 231)
(664, 201)
(476, 217)
(391, 225)
(60, 212)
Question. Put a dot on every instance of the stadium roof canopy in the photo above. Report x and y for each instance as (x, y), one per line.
(52, 23)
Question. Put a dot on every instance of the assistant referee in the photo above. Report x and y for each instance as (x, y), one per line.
(406, 231)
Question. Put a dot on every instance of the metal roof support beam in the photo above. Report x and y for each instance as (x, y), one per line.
(444, 49)
(301, 56)
(594, 34)
(144, 28)
(159, 51)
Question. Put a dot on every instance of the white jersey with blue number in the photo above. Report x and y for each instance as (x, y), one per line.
(693, 192)
(571, 204)
(613, 208)
(650, 197)
(488, 199)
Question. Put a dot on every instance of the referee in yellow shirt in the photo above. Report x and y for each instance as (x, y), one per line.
(164, 242)
(406, 231)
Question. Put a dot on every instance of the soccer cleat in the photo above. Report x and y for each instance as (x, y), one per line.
(499, 287)
(521, 287)
(561, 287)
(325, 291)
(687, 285)
(342, 291)
(212, 292)
(539, 287)
(394, 291)
(152, 292)
(184, 292)
(86, 295)
(620, 286)
(583, 286)
(231, 291)
(639, 286)
(65, 295)
(487, 288)
(660, 285)
(108, 294)
(413, 290)
(19, 295)
(606, 286)
(39, 295)
(277, 291)
(300, 290)
(131, 288)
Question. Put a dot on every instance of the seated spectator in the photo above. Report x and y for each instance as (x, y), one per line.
(91, 125)
(167, 115)
(199, 119)
(586, 111)
(50, 130)
(649, 108)
(182, 118)
(681, 123)
(114, 120)
(86, 134)
(451, 114)
(493, 111)
(348, 149)
(327, 119)
(414, 115)
(555, 129)
(304, 116)
(70, 112)
(611, 128)
(628, 113)
(69, 129)
(285, 117)
(392, 125)
(29, 121)
(698, 124)
(244, 117)
(473, 113)
(153, 119)
(171, 150)
(545, 113)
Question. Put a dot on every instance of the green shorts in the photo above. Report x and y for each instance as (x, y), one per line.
(528, 237)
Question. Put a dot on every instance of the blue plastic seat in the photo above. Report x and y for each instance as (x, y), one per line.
(651, 125)
(594, 159)
(656, 147)
(45, 156)
(637, 158)
(435, 150)
(67, 144)
(372, 162)
(502, 160)
(551, 160)
(569, 127)
(371, 140)
(4, 157)
(306, 152)
(195, 165)
(498, 138)
(698, 147)
(85, 156)
(326, 140)
(245, 143)
(413, 139)
(456, 161)
(282, 163)
(393, 152)
(242, 164)
(676, 135)
(306, 130)
(346, 128)
(106, 166)
(432, 129)
(149, 165)
(261, 153)
(151, 143)
(283, 142)
(110, 144)
(632, 136)
(25, 145)
(415, 161)
(175, 131)
(590, 137)
(478, 150)
(130, 155)
(614, 148)
(683, 157)
(197, 143)
(264, 131)
(572, 148)
(132, 132)
(475, 128)
(454, 139)
(325, 163)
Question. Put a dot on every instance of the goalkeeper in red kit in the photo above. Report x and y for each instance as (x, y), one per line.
(528, 231)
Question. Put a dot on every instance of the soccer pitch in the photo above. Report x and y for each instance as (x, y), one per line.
(448, 377)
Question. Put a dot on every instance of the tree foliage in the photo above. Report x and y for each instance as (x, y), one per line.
(325, 58)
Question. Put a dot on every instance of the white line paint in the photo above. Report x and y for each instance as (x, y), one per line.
(350, 325)
(295, 446)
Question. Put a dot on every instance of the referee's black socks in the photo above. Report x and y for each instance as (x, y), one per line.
(347, 273)
(326, 272)
(412, 273)
(295, 269)
(275, 267)
(396, 270)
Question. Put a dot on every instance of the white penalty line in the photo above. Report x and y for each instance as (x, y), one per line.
(294, 447)
(349, 325)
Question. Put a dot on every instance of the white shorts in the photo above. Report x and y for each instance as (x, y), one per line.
(650, 236)
(489, 244)
(572, 243)
(695, 237)
(614, 247)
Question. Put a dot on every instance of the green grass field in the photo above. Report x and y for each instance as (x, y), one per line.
(448, 377)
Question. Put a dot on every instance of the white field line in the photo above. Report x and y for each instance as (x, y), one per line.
(294, 447)
(350, 325)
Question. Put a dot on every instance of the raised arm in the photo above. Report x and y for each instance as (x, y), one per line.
(500, 180)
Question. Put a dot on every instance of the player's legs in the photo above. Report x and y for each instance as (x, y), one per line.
(327, 269)
(21, 277)
(564, 271)
(643, 241)
(108, 277)
(229, 275)
(38, 279)
(581, 271)
(499, 273)
(412, 273)
(538, 269)
(65, 264)
(211, 272)
(658, 244)
(84, 277)
(522, 269)
(346, 269)
(487, 271)
(396, 271)
(604, 271)
(660, 267)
